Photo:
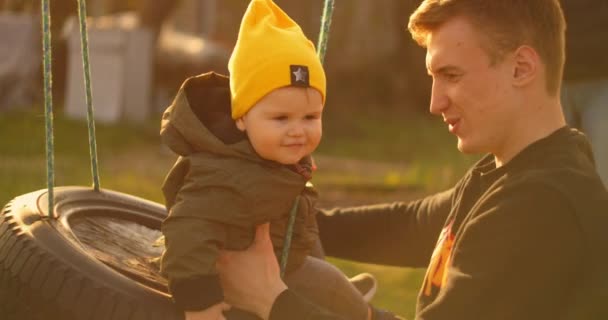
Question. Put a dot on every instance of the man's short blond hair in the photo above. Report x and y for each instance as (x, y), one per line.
(506, 25)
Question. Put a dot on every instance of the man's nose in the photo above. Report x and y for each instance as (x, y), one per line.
(439, 100)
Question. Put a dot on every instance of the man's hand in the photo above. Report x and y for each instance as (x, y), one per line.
(214, 312)
(251, 278)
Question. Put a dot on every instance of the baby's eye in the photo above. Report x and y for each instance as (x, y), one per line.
(280, 118)
(312, 117)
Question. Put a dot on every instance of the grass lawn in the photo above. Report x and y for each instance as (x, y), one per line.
(390, 157)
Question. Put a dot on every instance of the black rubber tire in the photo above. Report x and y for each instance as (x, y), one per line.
(46, 275)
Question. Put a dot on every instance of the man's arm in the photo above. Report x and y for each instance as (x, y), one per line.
(264, 294)
(516, 259)
(400, 234)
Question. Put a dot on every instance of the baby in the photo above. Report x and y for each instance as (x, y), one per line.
(245, 146)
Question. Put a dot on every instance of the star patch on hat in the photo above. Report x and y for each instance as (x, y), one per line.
(299, 76)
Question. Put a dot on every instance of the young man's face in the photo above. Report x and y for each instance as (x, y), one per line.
(473, 96)
(285, 125)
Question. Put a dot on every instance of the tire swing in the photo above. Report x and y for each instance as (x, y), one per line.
(80, 253)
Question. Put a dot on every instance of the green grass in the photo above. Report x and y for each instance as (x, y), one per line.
(23, 162)
(133, 161)
(420, 141)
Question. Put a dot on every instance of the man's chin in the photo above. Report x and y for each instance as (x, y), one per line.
(467, 148)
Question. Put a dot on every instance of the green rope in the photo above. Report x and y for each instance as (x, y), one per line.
(288, 235)
(321, 49)
(48, 103)
(84, 43)
(328, 11)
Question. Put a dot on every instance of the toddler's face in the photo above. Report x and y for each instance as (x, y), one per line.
(285, 125)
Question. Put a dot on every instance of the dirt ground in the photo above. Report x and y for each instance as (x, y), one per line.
(366, 189)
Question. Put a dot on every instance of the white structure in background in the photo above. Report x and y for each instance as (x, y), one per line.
(120, 56)
(20, 56)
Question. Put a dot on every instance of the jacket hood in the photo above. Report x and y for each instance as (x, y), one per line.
(199, 120)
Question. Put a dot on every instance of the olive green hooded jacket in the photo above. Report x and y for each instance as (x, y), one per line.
(219, 189)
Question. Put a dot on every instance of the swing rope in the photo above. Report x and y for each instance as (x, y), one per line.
(328, 11)
(321, 49)
(84, 44)
(288, 235)
(48, 98)
(48, 103)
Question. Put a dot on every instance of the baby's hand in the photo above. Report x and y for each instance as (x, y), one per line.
(214, 312)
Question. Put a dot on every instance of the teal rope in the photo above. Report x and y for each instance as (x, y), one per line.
(84, 43)
(48, 103)
(328, 11)
(288, 235)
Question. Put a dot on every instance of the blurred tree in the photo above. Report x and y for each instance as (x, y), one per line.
(17, 5)
(371, 57)
(306, 13)
(153, 13)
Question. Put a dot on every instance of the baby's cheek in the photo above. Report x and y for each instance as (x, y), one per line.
(313, 146)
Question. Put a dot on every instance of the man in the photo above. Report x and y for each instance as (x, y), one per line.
(521, 235)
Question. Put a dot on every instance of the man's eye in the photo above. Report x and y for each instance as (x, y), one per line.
(312, 117)
(452, 76)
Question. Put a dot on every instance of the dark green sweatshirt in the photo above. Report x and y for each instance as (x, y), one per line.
(524, 241)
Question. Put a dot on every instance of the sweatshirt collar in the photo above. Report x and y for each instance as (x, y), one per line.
(530, 155)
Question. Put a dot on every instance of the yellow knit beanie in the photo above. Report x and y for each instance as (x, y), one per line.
(271, 52)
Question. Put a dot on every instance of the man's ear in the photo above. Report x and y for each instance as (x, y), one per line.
(240, 124)
(527, 65)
